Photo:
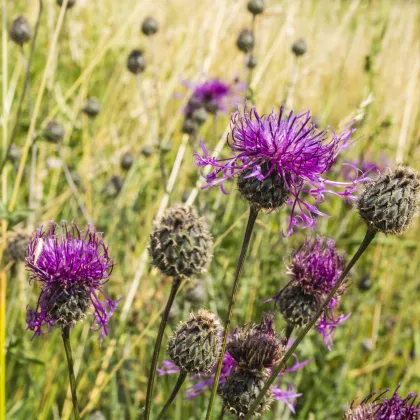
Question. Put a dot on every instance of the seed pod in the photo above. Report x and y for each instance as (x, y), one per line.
(256, 7)
(299, 47)
(269, 194)
(196, 344)
(241, 388)
(136, 63)
(197, 293)
(297, 307)
(180, 243)
(251, 61)
(17, 245)
(20, 32)
(149, 26)
(126, 161)
(70, 3)
(54, 132)
(389, 203)
(245, 41)
(92, 108)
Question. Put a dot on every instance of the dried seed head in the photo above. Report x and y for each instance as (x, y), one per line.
(54, 132)
(299, 47)
(70, 3)
(149, 26)
(256, 7)
(17, 244)
(389, 203)
(189, 126)
(199, 116)
(245, 41)
(196, 294)
(269, 194)
(126, 161)
(196, 344)
(180, 243)
(136, 63)
(20, 32)
(92, 108)
(297, 307)
(251, 61)
(241, 389)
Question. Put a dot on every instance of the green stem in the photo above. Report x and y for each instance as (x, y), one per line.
(253, 213)
(181, 378)
(175, 286)
(73, 385)
(370, 235)
(288, 333)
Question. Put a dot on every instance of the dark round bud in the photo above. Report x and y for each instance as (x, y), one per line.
(147, 151)
(194, 103)
(245, 41)
(299, 47)
(70, 3)
(196, 344)
(389, 203)
(211, 106)
(365, 283)
(269, 194)
(14, 153)
(256, 7)
(67, 306)
(149, 26)
(16, 247)
(189, 126)
(297, 307)
(251, 61)
(54, 132)
(92, 108)
(196, 294)
(126, 161)
(199, 116)
(241, 388)
(113, 186)
(20, 32)
(136, 63)
(180, 243)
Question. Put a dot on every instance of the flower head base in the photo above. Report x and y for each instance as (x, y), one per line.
(315, 269)
(395, 408)
(256, 346)
(287, 149)
(72, 269)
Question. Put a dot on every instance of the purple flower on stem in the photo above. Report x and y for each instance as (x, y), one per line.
(282, 149)
(72, 269)
(315, 268)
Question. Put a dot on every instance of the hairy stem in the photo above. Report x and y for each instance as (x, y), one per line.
(181, 378)
(175, 286)
(253, 213)
(73, 385)
(370, 235)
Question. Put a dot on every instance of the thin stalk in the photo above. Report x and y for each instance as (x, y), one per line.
(73, 385)
(249, 78)
(370, 235)
(222, 413)
(253, 213)
(25, 87)
(288, 333)
(181, 378)
(175, 286)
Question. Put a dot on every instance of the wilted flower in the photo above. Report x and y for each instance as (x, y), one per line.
(276, 158)
(380, 408)
(72, 269)
(315, 269)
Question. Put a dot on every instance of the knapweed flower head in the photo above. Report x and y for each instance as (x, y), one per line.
(276, 158)
(377, 407)
(315, 269)
(71, 268)
(256, 346)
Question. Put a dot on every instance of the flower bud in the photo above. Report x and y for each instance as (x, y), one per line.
(196, 344)
(389, 203)
(149, 26)
(245, 41)
(70, 3)
(199, 116)
(16, 246)
(54, 132)
(256, 7)
(299, 47)
(126, 161)
(20, 32)
(241, 389)
(180, 243)
(92, 108)
(147, 151)
(251, 61)
(136, 63)
(189, 126)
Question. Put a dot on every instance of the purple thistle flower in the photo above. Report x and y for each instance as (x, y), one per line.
(287, 150)
(315, 269)
(72, 269)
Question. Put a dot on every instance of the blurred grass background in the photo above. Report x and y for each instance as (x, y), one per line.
(377, 347)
